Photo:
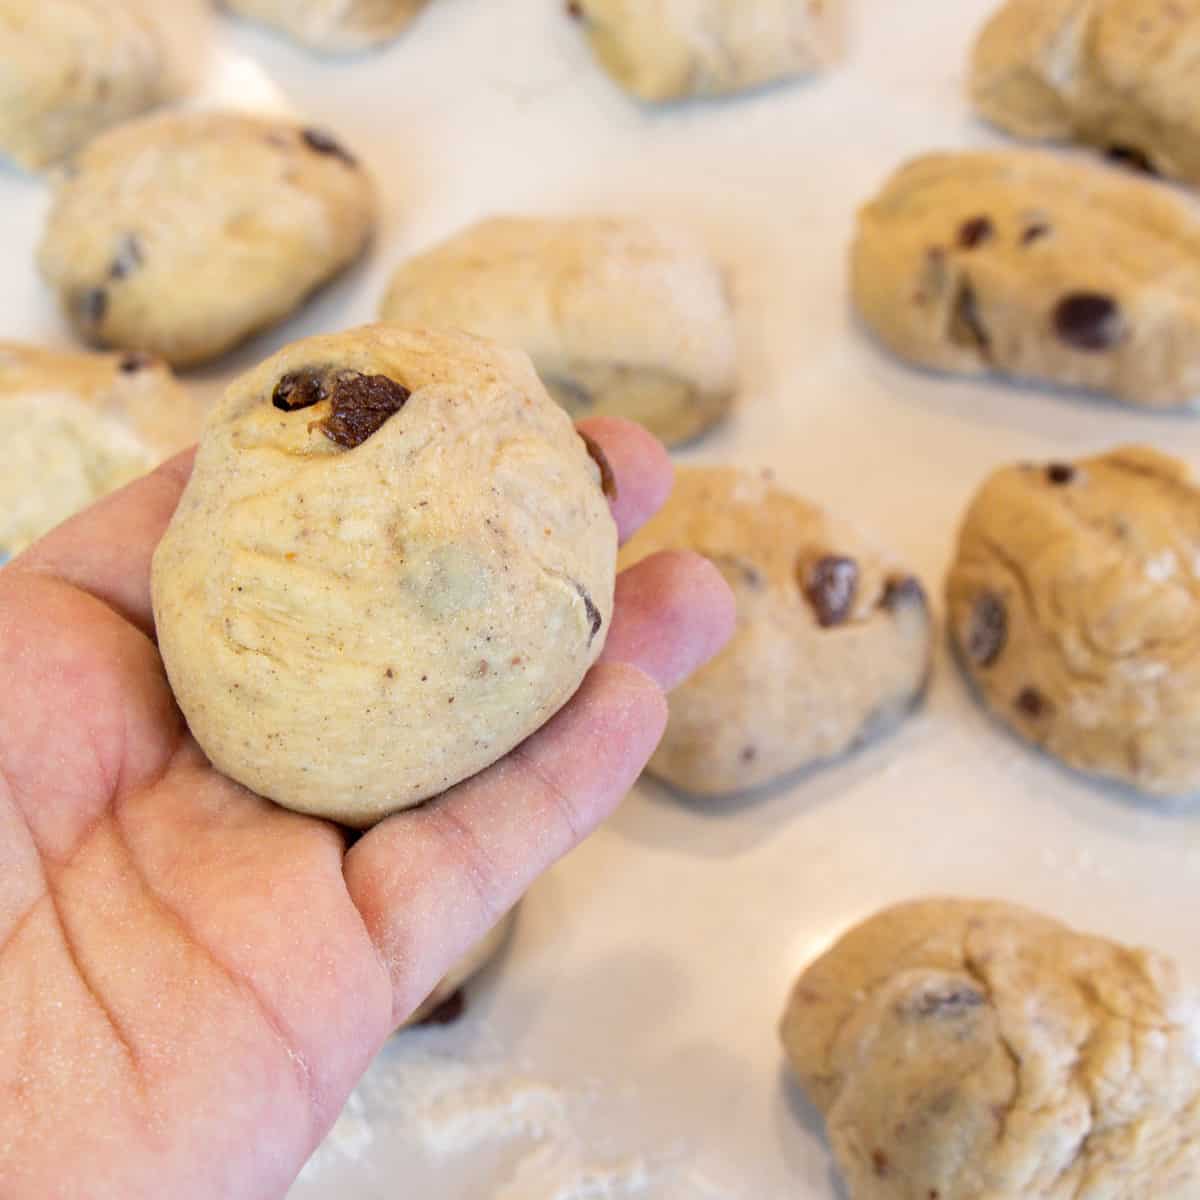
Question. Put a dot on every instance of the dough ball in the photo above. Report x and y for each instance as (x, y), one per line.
(832, 643)
(1074, 602)
(394, 561)
(77, 426)
(963, 1049)
(621, 317)
(182, 234)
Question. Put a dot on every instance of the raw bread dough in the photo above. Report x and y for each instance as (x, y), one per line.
(832, 642)
(1118, 74)
(621, 317)
(351, 626)
(76, 426)
(332, 25)
(457, 978)
(72, 68)
(1022, 264)
(1074, 600)
(973, 1050)
(667, 49)
(184, 233)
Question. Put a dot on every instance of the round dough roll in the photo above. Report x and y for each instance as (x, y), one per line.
(393, 562)
(832, 643)
(963, 1049)
(1074, 602)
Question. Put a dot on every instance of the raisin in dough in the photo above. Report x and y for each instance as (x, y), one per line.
(444, 1004)
(620, 317)
(666, 49)
(973, 1050)
(1074, 599)
(1022, 264)
(76, 426)
(393, 562)
(71, 68)
(832, 642)
(1117, 74)
(331, 25)
(184, 233)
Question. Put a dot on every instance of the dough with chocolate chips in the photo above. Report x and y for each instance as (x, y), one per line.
(74, 427)
(667, 49)
(1022, 264)
(1116, 74)
(445, 1003)
(962, 1049)
(71, 68)
(331, 25)
(393, 562)
(621, 317)
(832, 643)
(1074, 601)
(182, 234)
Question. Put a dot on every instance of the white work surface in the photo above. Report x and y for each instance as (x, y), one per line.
(625, 1043)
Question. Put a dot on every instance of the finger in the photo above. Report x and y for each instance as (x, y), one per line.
(673, 612)
(640, 466)
(106, 549)
(429, 883)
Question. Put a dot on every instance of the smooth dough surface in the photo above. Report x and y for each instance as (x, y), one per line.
(331, 25)
(1074, 600)
(621, 317)
(463, 971)
(832, 643)
(1118, 74)
(974, 1050)
(1022, 264)
(667, 49)
(72, 68)
(74, 427)
(351, 626)
(184, 233)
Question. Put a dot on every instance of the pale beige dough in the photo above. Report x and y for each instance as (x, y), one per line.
(184, 233)
(1117, 74)
(352, 628)
(974, 1050)
(74, 427)
(832, 643)
(463, 972)
(1074, 599)
(331, 25)
(1022, 264)
(667, 49)
(620, 316)
(72, 68)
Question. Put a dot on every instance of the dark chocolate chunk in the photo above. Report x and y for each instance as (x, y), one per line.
(1131, 157)
(902, 591)
(361, 406)
(947, 1002)
(127, 258)
(1034, 233)
(880, 1163)
(593, 613)
(1088, 321)
(1032, 703)
(966, 326)
(299, 389)
(130, 364)
(608, 481)
(831, 584)
(325, 143)
(987, 632)
(1060, 473)
(975, 232)
(91, 306)
(448, 1012)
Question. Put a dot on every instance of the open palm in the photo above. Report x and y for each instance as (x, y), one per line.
(191, 979)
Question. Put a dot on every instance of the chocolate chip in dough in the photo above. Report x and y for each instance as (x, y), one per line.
(1032, 703)
(299, 389)
(1034, 233)
(1089, 321)
(831, 585)
(987, 631)
(901, 592)
(325, 143)
(362, 404)
(947, 1002)
(1060, 474)
(130, 364)
(1131, 157)
(975, 232)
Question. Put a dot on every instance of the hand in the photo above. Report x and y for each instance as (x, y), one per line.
(192, 980)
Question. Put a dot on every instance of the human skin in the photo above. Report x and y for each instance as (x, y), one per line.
(192, 980)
